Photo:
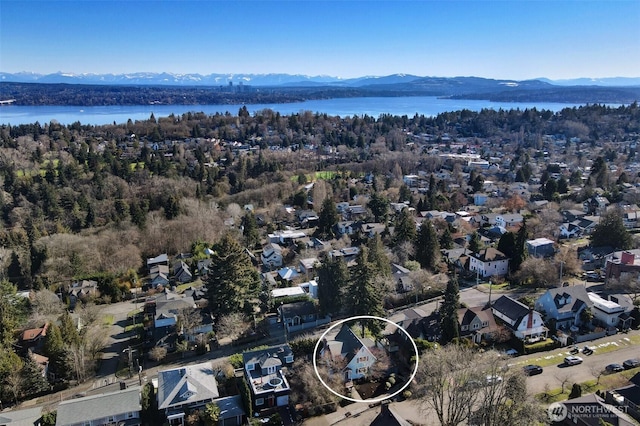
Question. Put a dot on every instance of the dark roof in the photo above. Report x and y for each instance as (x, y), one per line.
(489, 255)
(291, 310)
(510, 308)
(389, 417)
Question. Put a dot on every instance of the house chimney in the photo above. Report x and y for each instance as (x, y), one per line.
(628, 258)
(530, 319)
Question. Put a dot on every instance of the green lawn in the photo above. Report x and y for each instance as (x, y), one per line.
(183, 287)
(108, 319)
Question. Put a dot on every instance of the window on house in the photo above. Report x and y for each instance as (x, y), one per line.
(112, 419)
(476, 326)
(485, 324)
(271, 369)
(288, 358)
(363, 359)
(250, 367)
(130, 415)
(260, 401)
(465, 327)
(361, 370)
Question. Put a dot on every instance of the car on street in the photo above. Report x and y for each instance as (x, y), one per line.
(631, 363)
(532, 370)
(572, 360)
(613, 368)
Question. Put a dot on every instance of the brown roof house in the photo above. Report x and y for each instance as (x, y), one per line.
(476, 323)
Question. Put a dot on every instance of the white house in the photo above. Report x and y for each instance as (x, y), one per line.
(525, 323)
(540, 247)
(508, 219)
(606, 311)
(271, 256)
(349, 350)
(489, 262)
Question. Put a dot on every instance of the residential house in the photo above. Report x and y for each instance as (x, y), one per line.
(480, 198)
(563, 305)
(525, 323)
(489, 262)
(231, 411)
(346, 227)
(286, 237)
(308, 265)
(631, 218)
(401, 275)
(41, 361)
(307, 218)
(627, 397)
(162, 259)
(348, 254)
(168, 306)
(595, 205)
(82, 290)
(302, 315)
(311, 288)
(159, 275)
(181, 272)
(606, 312)
(389, 416)
(356, 211)
(508, 220)
(120, 407)
(579, 227)
(418, 325)
(580, 412)
(185, 388)
(287, 292)
(271, 256)
(25, 417)
(33, 338)
(351, 352)
(372, 229)
(619, 263)
(288, 274)
(540, 247)
(264, 370)
(476, 323)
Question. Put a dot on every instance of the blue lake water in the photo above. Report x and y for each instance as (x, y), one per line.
(422, 105)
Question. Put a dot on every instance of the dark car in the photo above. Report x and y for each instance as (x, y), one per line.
(613, 368)
(631, 363)
(532, 370)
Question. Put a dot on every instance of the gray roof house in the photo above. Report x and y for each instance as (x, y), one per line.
(26, 417)
(121, 407)
(564, 305)
(186, 387)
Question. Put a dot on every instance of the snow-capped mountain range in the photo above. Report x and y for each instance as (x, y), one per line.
(173, 79)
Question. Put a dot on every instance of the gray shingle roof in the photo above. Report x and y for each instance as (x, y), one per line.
(98, 406)
(186, 385)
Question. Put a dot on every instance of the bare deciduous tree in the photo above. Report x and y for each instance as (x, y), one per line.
(157, 353)
(232, 325)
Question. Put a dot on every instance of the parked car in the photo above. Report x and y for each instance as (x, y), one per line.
(631, 363)
(613, 368)
(572, 360)
(532, 370)
(489, 380)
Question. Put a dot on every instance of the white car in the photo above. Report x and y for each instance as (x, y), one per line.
(572, 360)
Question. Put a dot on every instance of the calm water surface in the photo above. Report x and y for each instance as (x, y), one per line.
(423, 105)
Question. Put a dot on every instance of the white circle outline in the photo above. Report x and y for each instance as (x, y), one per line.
(315, 365)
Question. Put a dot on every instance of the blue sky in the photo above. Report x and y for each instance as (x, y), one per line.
(498, 39)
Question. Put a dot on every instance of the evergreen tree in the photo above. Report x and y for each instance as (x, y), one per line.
(54, 349)
(379, 206)
(12, 312)
(520, 253)
(405, 229)
(15, 271)
(68, 329)
(33, 381)
(507, 245)
(365, 295)
(327, 219)
(449, 311)
(427, 246)
(232, 283)
(475, 244)
(377, 255)
(250, 230)
(171, 207)
(611, 232)
(333, 276)
(446, 240)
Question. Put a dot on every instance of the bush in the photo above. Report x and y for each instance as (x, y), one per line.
(406, 394)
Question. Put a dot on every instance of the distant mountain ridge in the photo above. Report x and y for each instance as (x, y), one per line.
(293, 80)
(143, 88)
